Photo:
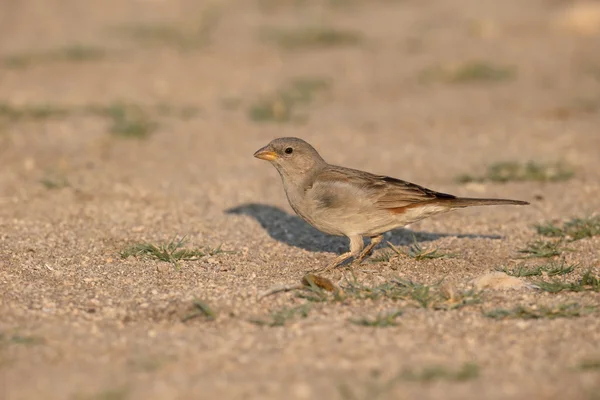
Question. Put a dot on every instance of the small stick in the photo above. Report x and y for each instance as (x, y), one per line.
(279, 288)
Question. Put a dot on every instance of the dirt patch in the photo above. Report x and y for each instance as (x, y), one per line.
(131, 124)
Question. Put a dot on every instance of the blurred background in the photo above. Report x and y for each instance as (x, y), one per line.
(130, 85)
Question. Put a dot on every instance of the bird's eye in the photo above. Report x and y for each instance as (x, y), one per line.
(289, 150)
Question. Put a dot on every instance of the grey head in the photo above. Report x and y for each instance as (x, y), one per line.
(292, 157)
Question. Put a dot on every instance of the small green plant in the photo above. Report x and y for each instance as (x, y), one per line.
(518, 172)
(108, 394)
(201, 309)
(469, 72)
(382, 320)
(281, 317)
(435, 297)
(418, 253)
(436, 373)
(127, 120)
(588, 282)
(383, 256)
(551, 269)
(25, 340)
(75, 53)
(32, 112)
(555, 269)
(522, 270)
(422, 294)
(158, 35)
(481, 72)
(54, 181)
(283, 105)
(183, 113)
(575, 229)
(569, 310)
(589, 365)
(172, 251)
(542, 249)
(310, 37)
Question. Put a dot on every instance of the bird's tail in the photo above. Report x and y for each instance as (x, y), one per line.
(461, 202)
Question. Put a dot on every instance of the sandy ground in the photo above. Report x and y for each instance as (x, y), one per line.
(79, 322)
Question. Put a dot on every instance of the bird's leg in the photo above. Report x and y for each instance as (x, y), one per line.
(356, 245)
(337, 261)
(374, 242)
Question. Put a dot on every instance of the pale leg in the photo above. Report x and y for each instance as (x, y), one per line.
(356, 245)
(374, 242)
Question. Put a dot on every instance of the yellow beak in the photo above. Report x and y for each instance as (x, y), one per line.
(266, 154)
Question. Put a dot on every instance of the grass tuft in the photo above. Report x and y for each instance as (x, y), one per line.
(587, 283)
(32, 112)
(157, 34)
(418, 253)
(286, 314)
(518, 172)
(575, 229)
(542, 249)
(200, 309)
(589, 365)
(551, 269)
(414, 251)
(75, 53)
(283, 105)
(481, 72)
(127, 120)
(54, 181)
(435, 297)
(172, 251)
(469, 72)
(383, 256)
(382, 320)
(311, 37)
(569, 310)
(108, 394)
(436, 373)
(21, 339)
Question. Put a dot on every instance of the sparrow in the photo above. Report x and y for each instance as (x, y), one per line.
(347, 202)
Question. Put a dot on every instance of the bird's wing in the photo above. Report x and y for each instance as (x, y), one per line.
(384, 192)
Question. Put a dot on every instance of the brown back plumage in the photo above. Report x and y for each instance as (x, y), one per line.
(397, 195)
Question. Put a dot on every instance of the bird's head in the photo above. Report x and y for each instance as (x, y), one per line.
(291, 156)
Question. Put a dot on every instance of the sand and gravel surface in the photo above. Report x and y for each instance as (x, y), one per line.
(420, 90)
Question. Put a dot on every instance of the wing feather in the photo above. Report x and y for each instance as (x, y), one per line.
(385, 192)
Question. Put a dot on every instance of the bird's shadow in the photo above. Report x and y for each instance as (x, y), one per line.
(293, 231)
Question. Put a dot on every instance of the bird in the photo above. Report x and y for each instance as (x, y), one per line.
(348, 202)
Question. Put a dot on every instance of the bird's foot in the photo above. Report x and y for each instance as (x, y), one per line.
(362, 257)
(369, 249)
(335, 263)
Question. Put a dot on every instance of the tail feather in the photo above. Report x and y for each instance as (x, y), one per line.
(460, 202)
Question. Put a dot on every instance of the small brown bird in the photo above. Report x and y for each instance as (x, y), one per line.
(347, 202)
